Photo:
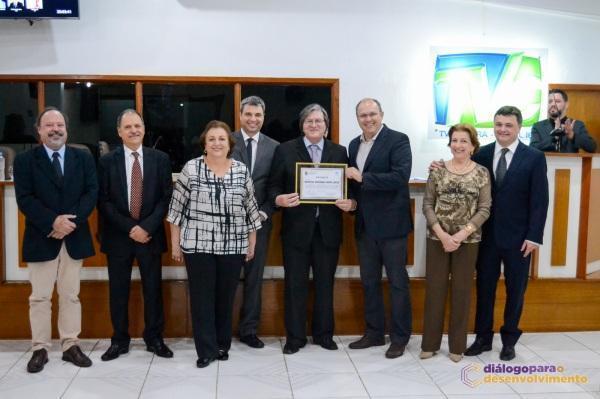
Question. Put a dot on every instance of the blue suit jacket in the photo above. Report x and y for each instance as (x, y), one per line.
(520, 204)
(383, 197)
(42, 197)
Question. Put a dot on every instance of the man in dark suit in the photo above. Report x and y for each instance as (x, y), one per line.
(255, 150)
(513, 231)
(56, 189)
(311, 234)
(380, 164)
(135, 189)
(559, 133)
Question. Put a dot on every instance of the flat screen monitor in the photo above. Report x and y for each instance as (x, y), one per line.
(38, 9)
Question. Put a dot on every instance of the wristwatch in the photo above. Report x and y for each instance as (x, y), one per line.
(469, 228)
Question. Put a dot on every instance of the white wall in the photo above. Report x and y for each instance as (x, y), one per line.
(378, 48)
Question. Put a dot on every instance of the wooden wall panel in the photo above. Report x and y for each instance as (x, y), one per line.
(593, 240)
(562, 180)
(550, 305)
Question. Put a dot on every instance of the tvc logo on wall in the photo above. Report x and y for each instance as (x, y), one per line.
(468, 87)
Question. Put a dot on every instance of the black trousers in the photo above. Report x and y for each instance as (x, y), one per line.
(253, 279)
(297, 262)
(212, 281)
(391, 253)
(516, 275)
(119, 283)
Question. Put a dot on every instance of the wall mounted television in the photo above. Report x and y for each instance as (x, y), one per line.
(38, 9)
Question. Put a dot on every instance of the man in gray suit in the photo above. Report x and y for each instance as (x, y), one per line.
(256, 151)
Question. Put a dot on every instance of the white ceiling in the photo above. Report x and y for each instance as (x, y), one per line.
(589, 8)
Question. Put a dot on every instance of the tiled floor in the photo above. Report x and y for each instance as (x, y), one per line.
(311, 373)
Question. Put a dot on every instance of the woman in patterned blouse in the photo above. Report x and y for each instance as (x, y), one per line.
(456, 203)
(214, 217)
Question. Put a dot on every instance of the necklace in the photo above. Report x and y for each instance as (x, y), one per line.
(467, 164)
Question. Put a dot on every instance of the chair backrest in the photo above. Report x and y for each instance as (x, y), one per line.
(9, 157)
(81, 147)
(103, 148)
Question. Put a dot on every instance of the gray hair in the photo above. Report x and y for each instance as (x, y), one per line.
(127, 111)
(312, 108)
(49, 109)
(252, 100)
(369, 99)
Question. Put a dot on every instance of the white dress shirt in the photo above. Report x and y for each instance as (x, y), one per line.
(61, 156)
(509, 155)
(364, 148)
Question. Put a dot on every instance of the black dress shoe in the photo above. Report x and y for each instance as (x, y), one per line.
(113, 352)
(223, 355)
(326, 343)
(252, 341)
(37, 361)
(290, 349)
(76, 356)
(395, 350)
(159, 349)
(507, 353)
(205, 361)
(478, 347)
(366, 342)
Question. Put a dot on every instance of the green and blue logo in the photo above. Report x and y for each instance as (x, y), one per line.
(470, 87)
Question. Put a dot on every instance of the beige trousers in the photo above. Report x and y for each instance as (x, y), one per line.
(65, 272)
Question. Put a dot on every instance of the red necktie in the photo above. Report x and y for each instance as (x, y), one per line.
(135, 204)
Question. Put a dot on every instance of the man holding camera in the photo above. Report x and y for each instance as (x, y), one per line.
(559, 133)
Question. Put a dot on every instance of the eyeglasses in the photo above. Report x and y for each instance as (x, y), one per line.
(314, 122)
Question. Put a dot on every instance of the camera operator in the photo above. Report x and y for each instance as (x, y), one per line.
(559, 133)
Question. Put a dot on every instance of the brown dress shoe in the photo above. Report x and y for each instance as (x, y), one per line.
(395, 350)
(38, 360)
(76, 356)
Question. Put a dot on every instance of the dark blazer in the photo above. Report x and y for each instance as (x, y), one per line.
(383, 197)
(298, 223)
(265, 151)
(116, 221)
(542, 140)
(42, 196)
(520, 204)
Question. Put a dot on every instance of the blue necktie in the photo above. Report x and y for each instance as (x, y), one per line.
(56, 165)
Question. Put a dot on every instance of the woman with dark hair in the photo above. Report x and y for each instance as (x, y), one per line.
(214, 218)
(311, 234)
(456, 203)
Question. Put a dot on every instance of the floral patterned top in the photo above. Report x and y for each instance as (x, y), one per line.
(454, 200)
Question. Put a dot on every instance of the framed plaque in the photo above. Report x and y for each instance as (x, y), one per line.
(321, 183)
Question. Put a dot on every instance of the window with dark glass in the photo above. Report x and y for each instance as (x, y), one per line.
(18, 111)
(176, 114)
(92, 109)
(283, 106)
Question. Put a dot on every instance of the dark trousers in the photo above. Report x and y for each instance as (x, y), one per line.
(459, 266)
(119, 283)
(516, 274)
(391, 253)
(212, 281)
(253, 279)
(297, 262)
